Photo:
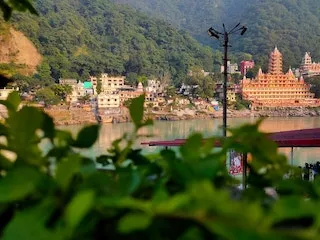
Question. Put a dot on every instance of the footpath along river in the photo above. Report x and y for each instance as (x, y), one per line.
(165, 130)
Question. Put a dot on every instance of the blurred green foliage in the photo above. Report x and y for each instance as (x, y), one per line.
(7, 7)
(60, 194)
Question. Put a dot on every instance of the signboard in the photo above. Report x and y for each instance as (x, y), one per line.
(235, 162)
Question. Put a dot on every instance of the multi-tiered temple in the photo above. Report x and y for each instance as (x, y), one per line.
(277, 89)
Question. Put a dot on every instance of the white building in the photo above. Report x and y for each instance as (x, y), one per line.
(68, 81)
(77, 91)
(204, 73)
(155, 86)
(232, 68)
(187, 89)
(80, 90)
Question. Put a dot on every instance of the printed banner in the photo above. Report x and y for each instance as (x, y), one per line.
(235, 162)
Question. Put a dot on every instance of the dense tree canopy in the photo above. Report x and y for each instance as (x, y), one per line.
(78, 38)
(205, 84)
(291, 24)
(314, 85)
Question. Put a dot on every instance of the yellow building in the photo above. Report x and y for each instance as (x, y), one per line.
(108, 83)
(231, 95)
(108, 100)
(277, 89)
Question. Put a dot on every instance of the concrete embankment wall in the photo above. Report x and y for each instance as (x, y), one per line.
(71, 116)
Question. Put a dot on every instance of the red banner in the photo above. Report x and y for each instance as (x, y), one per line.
(235, 163)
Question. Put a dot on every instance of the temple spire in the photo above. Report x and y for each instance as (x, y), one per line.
(290, 71)
(275, 62)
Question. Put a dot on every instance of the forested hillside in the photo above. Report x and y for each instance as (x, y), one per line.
(293, 25)
(83, 37)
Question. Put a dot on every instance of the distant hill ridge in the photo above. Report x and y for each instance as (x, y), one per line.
(78, 38)
(293, 25)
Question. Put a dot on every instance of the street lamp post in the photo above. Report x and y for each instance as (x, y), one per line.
(214, 33)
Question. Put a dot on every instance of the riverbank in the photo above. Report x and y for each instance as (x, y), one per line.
(67, 116)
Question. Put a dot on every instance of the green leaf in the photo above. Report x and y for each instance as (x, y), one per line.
(5, 163)
(128, 181)
(66, 169)
(87, 136)
(23, 139)
(18, 5)
(136, 110)
(160, 195)
(133, 222)
(31, 224)
(78, 208)
(191, 234)
(174, 203)
(18, 183)
(7, 11)
(191, 150)
(3, 130)
(48, 126)
(23, 126)
(13, 101)
(63, 139)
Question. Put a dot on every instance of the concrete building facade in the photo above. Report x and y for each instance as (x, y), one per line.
(106, 100)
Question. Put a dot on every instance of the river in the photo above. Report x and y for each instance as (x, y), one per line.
(164, 130)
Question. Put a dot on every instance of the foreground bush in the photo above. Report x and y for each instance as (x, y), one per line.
(60, 194)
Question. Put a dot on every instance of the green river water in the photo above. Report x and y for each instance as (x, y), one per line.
(164, 130)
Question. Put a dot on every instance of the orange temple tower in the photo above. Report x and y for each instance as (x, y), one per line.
(277, 89)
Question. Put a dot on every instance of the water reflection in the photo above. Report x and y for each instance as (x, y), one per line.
(182, 129)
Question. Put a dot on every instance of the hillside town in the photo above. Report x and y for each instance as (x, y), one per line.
(105, 97)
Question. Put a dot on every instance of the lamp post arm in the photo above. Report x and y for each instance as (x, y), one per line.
(234, 28)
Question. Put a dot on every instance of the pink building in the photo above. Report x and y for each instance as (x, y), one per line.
(245, 65)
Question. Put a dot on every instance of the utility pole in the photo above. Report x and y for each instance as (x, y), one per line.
(214, 33)
(225, 81)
